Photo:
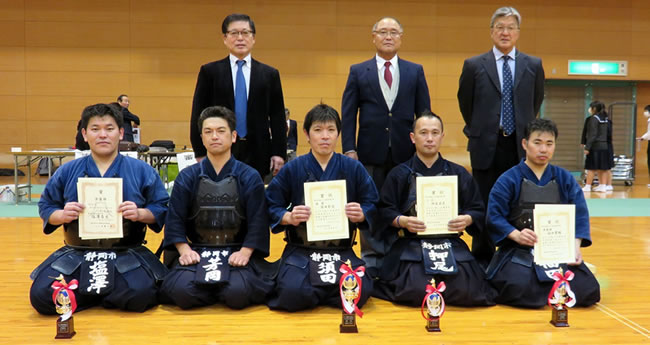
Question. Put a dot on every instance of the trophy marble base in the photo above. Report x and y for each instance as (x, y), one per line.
(433, 325)
(65, 329)
(560, 317)
(348, 323)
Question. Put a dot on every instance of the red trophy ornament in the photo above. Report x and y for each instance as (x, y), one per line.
(561, 298)
(65, 303)
(350, 289)
(435, 305)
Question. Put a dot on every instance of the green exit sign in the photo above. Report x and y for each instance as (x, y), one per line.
(606, 68)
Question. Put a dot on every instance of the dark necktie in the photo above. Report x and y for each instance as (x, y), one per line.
(508, 113)
(387, 75)
(241, 100)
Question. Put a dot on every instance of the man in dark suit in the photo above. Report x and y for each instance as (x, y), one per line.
(386, 92)
(252, 90)
(499, 93)
(130, 120)
(292, 136)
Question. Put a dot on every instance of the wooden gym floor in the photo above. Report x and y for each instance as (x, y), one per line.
(621, 254)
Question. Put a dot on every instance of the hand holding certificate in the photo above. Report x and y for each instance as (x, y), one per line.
(437, 202)
(100, 218)
(555, 230)
(327, 201)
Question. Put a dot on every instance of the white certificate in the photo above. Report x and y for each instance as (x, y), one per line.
(184, 160)
(101, 198)
(327, 201)
(437, 202)
(555, 229)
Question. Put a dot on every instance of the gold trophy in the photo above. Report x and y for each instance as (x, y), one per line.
(350, 290)
(65, 303)
(561, 298)
(435, 305)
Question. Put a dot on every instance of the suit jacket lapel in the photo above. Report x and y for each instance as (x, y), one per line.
(226, 72)
(490, 65)
(521, 63)
(373, 79)
(255, 80)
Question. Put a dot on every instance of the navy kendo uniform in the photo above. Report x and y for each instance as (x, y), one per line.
(309, 270)
(117, 272)
(518, 280)
(217, 215)
(414, 259)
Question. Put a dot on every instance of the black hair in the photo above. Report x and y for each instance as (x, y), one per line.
(322, 113)
(236, 17)
(101, 110)
(119, 98)
(428, 113)
(540, 125)
(599, 108)
(218, 111)
(647, 108)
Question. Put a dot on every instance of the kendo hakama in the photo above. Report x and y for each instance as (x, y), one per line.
(218, 214)
(518, 280)
(309, 275)
(114, 273)
(408, 266)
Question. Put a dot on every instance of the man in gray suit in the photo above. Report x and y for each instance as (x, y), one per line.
(499, 93)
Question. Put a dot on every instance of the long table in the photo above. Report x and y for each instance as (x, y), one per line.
(158, 160)
(27, 158)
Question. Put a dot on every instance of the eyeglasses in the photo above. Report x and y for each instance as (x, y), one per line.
(243, 33)
(392, 33)
(501, 28)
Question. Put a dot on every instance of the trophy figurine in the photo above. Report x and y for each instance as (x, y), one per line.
(350, 290)
(561, 298)
(435, 305)
(65, 303)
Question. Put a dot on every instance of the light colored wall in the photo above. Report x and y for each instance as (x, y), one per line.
(58, 56)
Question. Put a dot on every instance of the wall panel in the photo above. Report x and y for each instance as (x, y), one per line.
(114, 11)
(18, 132)
(76, 34)
(13, 108)
(51, 133)
(12, 58)
(13, 83)
(77, 59)
(12, 33)
(12, 10)
(59, 83)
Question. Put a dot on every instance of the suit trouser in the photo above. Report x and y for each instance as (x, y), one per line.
(373, 248)
(505, 157)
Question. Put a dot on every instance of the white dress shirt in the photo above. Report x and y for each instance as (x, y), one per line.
(246, 69)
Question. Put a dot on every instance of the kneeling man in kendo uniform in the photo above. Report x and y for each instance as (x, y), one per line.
(309, 270)
(112, 272)
(218, 222)
(413, 259)
(519, 281)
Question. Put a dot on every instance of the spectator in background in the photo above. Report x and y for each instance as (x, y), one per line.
(292, 136)
(130, 120)
(597, 140)
(646, 136)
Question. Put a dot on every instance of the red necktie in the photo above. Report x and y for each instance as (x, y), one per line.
(387, 75)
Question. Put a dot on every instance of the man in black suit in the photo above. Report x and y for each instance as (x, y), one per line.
(499, 93)
(386, 92)
(252, 90)
(292, 136)
(130, 120)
